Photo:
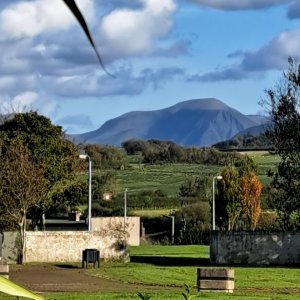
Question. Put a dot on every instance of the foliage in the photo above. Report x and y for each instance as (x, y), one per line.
(106, 157)
(238, 196)
(43, 150)
(284, 104)
(46, 144)
(192, 223)
(187, 294)
(144, 296)
(67, 196)
(250, 195)
(155, 151)
(23, 186)
(268, 221)
(195, 187)
(105, 182)
(246, 141)
(228, 205)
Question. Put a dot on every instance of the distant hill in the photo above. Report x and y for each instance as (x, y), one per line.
(198, 122)
(250, 138)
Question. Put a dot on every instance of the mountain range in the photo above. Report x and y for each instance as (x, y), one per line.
(197, 122)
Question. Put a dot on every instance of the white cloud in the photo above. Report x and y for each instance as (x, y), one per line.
(31, 18)
(240, 4)
(272, 56)
(133, 31)
(25, 101)
(275, 54)
(20, 103)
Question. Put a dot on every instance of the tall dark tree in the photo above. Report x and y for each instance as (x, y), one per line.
(284, 104)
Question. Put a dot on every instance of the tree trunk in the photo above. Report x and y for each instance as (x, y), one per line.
(22, 248)
(44, 221)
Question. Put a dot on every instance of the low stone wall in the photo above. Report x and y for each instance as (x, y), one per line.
(259, 248)
(54, 246)
(67, 246)
(10, 246)
(132, 227)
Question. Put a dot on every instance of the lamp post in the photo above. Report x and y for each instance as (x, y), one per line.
(213, 201)
(172, 228)
(85, 156)
(125, 208)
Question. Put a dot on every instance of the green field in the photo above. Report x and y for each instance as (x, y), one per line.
(168, 177)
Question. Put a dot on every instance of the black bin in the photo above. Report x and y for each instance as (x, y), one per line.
(90, 256)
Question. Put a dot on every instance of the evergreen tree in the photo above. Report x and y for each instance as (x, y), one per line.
(284, 104)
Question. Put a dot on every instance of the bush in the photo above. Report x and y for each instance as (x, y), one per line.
(268, 221)
(193, 224)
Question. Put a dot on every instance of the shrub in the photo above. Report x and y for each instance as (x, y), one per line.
(268, 221)
(193, 224)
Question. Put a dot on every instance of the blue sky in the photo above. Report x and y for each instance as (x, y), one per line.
(161, 52)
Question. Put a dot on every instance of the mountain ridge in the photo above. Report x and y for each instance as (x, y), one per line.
(195, 122)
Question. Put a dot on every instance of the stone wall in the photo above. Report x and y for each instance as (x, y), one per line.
(67, 246)
(132, 226)
(61, 246)
(9, 246)
(259, 248)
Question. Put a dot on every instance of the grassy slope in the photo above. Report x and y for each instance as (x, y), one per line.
(169, 177)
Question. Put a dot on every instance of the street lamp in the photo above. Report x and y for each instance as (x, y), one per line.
(172, 228)
(213, 202)
(125, 208)
(85, 156)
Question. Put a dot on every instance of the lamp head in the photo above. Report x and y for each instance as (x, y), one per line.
(83, 156)
(219, 177)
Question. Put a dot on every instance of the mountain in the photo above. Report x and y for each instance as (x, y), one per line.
(198, 122)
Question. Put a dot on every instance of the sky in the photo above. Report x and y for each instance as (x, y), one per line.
(159, 52)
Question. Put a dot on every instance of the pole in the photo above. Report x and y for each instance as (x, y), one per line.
(213, 202)
(125, 208)
(213, 206)
(90, 195)
(173, 228)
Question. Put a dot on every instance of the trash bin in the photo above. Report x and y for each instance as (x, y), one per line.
(90, 256)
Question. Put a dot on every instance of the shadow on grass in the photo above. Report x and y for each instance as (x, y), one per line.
(170, 261)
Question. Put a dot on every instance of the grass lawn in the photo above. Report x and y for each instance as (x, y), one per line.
(172, 266)
(162, 271)
(167, 268)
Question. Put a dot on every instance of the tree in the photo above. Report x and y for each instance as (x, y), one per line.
(106, 182)
(23, 186)
(195, 187)
(47, 147)
(228, 202)
(106, 157)
(283, 103)
(238, 195)
(250, 192)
